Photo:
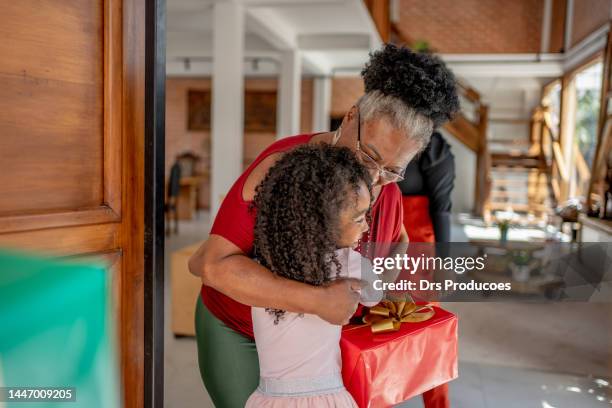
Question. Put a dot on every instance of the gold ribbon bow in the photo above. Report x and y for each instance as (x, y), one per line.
(388, 316)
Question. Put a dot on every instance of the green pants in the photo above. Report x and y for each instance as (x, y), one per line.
(228, 361)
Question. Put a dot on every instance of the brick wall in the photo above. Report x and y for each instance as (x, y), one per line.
(589, 15)
(179, 139)
(345, 92)
(473, 26)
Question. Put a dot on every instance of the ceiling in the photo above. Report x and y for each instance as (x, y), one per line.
(327, 33)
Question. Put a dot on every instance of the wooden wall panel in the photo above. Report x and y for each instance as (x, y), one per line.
(78, 240)
(72, 147)
(51, 109)
(53, 39)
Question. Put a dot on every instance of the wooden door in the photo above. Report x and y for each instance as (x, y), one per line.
(72, 146)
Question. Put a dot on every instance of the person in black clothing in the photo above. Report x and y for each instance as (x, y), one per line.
(432, 175)
(428, 182)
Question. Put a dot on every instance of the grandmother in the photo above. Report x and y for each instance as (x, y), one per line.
(407, 95)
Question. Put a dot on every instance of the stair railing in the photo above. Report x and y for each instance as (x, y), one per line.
(552, 154)
(482, 191)
(582, 173)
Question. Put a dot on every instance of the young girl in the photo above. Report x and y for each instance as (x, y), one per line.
(311, 210)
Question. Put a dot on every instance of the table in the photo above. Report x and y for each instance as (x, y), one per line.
(188, 196)
(524, 278)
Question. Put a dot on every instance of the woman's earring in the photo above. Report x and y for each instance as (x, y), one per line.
(337, 135)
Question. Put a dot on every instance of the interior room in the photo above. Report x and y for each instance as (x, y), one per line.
(514, 75)
(196, 193)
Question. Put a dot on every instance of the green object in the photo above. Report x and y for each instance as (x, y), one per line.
(422, 46)
(521, 257)
(228, 361)
(56, 330)
(503, 235)
(503, 226)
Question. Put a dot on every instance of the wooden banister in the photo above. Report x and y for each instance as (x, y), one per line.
(604, 131)
(464, 131)
(558, 156)
(548, 123)
(468, 92)
(565, 177)
(380, 10)
(482, 189)
(584, 173)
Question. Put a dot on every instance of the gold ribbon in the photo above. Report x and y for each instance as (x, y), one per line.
(388, 315)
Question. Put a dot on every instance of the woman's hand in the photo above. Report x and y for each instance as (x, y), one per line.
(223, 266)
(339, 300)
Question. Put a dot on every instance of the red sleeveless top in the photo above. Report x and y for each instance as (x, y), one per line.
(236, 223)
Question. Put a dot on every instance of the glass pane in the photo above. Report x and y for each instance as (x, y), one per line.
(553, 101)
(588, 95)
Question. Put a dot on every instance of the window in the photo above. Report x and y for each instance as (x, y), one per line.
(588, 97)
(552, 100)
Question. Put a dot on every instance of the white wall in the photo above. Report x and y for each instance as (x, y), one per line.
(465, 172)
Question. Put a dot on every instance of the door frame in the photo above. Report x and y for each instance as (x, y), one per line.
(155, 103)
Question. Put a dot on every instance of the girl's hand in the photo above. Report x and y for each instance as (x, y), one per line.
(339, 300)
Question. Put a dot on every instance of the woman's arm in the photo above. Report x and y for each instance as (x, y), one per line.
(224, 267)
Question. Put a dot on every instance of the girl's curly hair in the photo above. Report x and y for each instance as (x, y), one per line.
(422, 81)
(297, 207)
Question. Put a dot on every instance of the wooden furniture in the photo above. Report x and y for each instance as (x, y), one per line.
(185, 291)
(189, 163)
(188, 196)
(190, 184)
(72, 148)
(502, 267)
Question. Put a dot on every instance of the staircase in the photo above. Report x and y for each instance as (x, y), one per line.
(519, 183)
(528, 176)
(511, 175)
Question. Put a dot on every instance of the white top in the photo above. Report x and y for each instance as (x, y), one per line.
(306, 346)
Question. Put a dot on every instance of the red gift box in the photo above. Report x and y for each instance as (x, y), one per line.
(385, 369)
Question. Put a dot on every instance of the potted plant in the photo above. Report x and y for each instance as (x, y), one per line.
(520, 265)
(504, 226)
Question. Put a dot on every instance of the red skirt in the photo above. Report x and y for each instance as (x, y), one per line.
(417, 220)
(420, 229)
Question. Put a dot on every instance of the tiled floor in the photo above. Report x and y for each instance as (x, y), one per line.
(183, 387)
(491, 386)
(556, 355)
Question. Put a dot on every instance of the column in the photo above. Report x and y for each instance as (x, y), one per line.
(321, 104)
(227, 99)
(289, 94)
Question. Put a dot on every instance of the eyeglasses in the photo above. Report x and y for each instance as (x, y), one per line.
(369, 162)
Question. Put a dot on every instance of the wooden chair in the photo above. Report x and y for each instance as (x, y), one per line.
(189, 163)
